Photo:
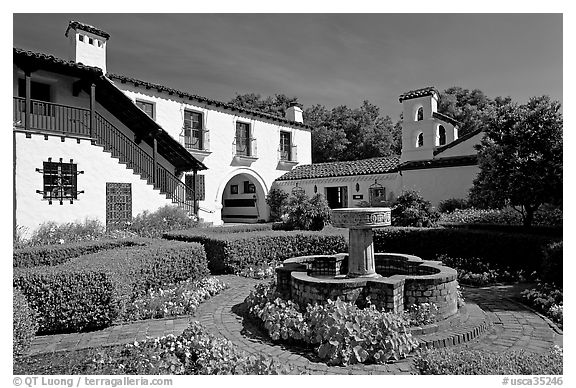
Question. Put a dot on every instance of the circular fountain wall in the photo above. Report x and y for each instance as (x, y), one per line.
(391, 281)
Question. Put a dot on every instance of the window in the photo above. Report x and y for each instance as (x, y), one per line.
(193, 138)
(81, 37)
(60, 181)
(243, 139)
(147, 107)
(285, 146)
(90, 41)
(249, 188)
(420, 141)
(200, 187)
(420, 114)
(38, 90)
(441, 135)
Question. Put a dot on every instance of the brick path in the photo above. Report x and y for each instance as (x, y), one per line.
(514, 327)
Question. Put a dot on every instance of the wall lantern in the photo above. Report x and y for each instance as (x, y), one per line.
(297, 190)
(357, 187)
(315, 189)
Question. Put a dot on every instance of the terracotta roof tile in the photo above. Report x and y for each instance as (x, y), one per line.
(451, 161)
(427, 91)
(86, 27)
(20, 54)
(380, 165)
(195, 97)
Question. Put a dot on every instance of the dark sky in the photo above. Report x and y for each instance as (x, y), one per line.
(329, 59)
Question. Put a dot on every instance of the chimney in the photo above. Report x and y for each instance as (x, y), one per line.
(87, 44)
(294, 112)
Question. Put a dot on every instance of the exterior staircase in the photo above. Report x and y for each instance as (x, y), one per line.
(73, 121)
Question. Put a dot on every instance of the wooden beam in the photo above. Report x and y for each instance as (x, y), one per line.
(154, 158)
(194, 188)
(28, 102)
(92, 109)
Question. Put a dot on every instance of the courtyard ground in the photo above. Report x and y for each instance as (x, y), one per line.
(512, 326)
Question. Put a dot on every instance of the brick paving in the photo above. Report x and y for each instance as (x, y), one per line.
(513, 326)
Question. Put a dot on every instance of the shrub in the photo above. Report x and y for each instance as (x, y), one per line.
(476, 272)
(24, 323)
(514, 250)
(341, 332)
(410, 209)
(89, 292)
(306, 213)
(167, 218)
(218, 230)
(182, 298)
(463, 361)
(276, 200)
(451, 204)
(194, 352)
(60, 253)
(552, 267)
(54, 233)
(507, 216)
(234, 252)
(547, 299)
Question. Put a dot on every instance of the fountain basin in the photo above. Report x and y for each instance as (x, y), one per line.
(403, 280)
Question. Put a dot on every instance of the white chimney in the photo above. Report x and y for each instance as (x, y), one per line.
(87, 44)
(294, 113)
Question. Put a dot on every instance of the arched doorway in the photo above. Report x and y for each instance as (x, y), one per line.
(244, 199)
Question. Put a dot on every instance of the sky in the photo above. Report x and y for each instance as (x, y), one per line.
(327, 59)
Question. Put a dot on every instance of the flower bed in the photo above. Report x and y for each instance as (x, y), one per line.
(339, 332)
(475, 272)
(548, 300)
(172, 300)
(194, 352)
(89, 292)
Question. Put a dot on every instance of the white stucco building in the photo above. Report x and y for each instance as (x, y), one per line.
(88, 143)
(434, 161)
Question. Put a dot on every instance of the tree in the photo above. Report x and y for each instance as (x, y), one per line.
(520, 157)
(276, 105)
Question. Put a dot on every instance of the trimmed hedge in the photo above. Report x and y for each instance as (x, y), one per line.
(58, 254)
(23, 323)
(219, 230)
(233, 252)
(517, 251)
(552, 267)
(90, 291)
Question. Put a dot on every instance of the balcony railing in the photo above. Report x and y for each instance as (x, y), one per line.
(48, 116)
(243, 146)
(198, 141)
(73, 121)
(287, 154)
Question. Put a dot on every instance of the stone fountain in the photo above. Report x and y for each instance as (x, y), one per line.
(391, 281)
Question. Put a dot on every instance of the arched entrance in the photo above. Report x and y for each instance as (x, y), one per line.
(244, 198)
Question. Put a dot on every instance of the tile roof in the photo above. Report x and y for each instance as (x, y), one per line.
(452, 161)
(194, 97)
(86, 27)
(31, 56)
(427, 91)
(380, 165)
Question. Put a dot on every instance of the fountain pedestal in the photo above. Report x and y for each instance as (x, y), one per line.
(360, 221)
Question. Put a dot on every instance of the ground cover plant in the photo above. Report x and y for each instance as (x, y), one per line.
(476, 272)
(172, 300)
(339, 332)
(91, 291)
(194, 352)
(464, 361)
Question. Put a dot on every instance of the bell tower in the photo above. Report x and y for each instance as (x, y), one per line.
(87, 44)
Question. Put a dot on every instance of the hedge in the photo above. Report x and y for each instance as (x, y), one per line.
(58, 254)
(552, 267)
(232, 252)
(518, 251)
(88, 292)
(220, 230)
(23, 323)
